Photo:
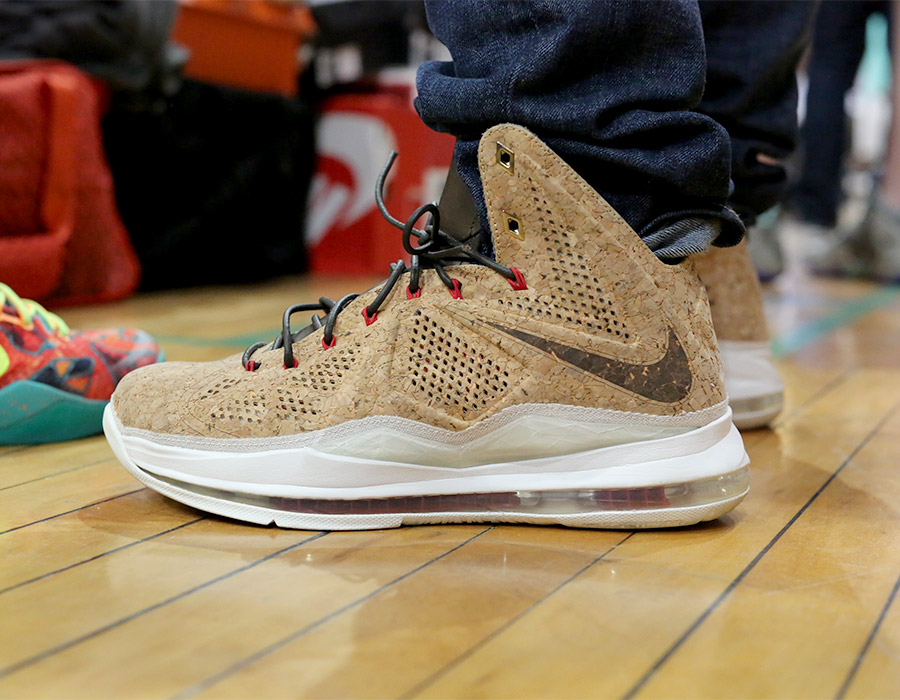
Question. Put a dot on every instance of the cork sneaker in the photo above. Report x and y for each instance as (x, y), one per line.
(574, 379)
(755, 389)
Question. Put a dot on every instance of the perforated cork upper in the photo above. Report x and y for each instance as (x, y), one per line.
(602, 323)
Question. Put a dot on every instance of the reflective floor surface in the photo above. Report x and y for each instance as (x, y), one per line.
(107, 590)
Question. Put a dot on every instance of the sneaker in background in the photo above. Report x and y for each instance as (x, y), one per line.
(884, 241)
(763, 241)
(869, 250)
(837, 252)
(755, 389)
(55, 382)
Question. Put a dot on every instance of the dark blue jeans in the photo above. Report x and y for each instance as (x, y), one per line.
(616, 87)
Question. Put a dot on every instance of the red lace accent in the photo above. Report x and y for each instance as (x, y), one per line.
(519, 282)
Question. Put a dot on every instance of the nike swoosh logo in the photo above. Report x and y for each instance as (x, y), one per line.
(668, 380)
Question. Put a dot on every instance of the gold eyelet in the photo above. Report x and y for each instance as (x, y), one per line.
(506, 158)
(513, 226)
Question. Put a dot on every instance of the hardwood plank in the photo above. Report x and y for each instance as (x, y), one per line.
(878, 674)
(9, 449)
(53, 612)
(434, 617)
(38, 550)
(793, 626)
(589, 640)
(196, 635)
(40, 461)
(802, 385)
(64, 492)
(603, 631)
(866, 341)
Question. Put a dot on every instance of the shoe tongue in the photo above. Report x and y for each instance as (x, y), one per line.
(459, 218)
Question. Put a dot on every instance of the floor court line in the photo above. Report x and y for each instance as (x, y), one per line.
(237, 341)
(64, 471)
(790, 342)
(99, 556)
(68, 512)
(868, 643)
(112, 625)
(275, 646)
(642, 681)
(475, 647)
(787, 417)
(13, 449)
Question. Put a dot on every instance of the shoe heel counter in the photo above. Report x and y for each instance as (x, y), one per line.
(582, 254)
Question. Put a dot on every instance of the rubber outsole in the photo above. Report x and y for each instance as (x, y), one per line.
(211, 500)
(33, 413)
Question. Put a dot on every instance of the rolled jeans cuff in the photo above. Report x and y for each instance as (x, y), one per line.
(680, 234)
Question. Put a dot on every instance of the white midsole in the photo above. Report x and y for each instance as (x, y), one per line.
(306, 472)
(520, 432)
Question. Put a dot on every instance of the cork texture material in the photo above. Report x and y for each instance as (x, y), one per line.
(735, 296)
(602, 324)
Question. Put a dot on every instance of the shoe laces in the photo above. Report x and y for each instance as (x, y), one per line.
(27, 310)
(433, 249)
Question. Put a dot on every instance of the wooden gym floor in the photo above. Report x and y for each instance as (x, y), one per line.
(107, 590)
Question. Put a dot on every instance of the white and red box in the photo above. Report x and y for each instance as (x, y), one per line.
(345, 232)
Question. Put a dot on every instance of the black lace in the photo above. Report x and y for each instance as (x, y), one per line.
(434, 250)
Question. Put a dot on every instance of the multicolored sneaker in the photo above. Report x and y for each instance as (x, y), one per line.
(54, 382)
(574, 379)
(755, 389)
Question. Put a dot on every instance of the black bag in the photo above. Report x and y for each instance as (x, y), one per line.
(211, 183)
